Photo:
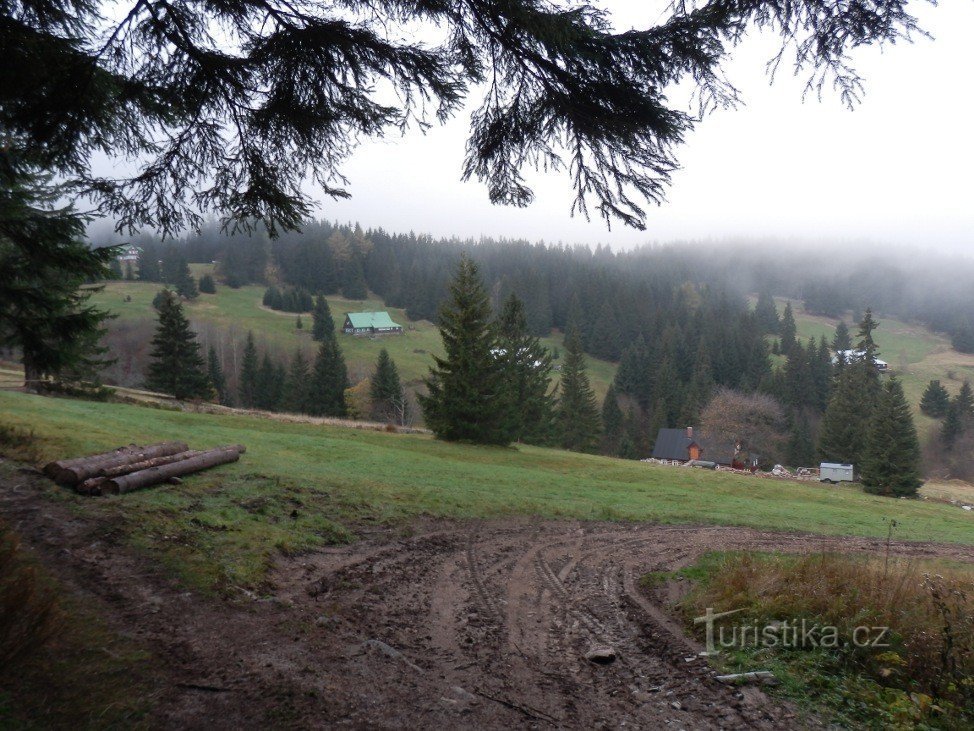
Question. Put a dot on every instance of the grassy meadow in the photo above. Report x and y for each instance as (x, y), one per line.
(302, 485)
(238, 310)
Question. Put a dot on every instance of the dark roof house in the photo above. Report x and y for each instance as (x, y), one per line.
(683, 445)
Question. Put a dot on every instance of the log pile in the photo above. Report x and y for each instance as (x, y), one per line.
(134, 467)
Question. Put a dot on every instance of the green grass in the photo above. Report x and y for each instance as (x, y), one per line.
(298, 484)
(240, 310)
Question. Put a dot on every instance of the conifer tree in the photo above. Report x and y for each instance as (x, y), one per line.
(965, 401)
(385, 390)
(207, 285)
(267, 393)
(788, 330)
(952, 427)
(353, 280)
(841, 340)
(249, 368)
(935, 400)
(323, 327)
(176, 365)
(525, 375)
(297, 385)
(329, 379)
(613, 423)
(766, 314)
(577, 414)
(891, 459)
(845, 423)
(115, 269)
(465, 393)
(217, 379)
(800, 450)
(149, 266)
(298, 325)
(700, 389)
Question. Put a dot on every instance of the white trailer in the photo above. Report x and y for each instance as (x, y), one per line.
(833, 472)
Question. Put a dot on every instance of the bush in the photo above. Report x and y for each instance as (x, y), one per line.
(930, 616)
(29, 613)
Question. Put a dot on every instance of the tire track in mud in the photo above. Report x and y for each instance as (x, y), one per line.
(504, 612)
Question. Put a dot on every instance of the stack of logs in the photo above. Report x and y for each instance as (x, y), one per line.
(133, 467)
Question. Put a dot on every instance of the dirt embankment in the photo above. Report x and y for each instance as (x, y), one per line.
(480, 624)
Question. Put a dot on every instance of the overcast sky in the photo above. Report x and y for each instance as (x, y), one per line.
(896, 169)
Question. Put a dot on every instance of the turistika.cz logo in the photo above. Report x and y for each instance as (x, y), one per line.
(791, 634)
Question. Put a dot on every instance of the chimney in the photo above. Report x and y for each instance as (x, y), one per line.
(689, 432)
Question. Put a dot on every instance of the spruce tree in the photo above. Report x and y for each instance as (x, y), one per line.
(800, 450)
(965, 401)
(935, 400)
(323, 327)
(385, 390)
(353, 280)
(788, 330)
(526, 375)
(266, 396)
(766, 314)
(329, 379)
(465, 399)
(207, 285)
(249, 368)
(217, 379)
(952, 427)
(176, 365)
(577, 414)
(845, 424)
(298, 325)
(297, 386)
(841, 340)
(891, 460)
(613, 422)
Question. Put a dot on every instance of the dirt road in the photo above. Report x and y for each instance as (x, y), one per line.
(476, 625)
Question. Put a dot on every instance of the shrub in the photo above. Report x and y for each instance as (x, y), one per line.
(930, 616)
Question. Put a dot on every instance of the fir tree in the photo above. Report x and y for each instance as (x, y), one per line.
(353, 280)
(149, 266)
(800, 450)
(700, 389)
(207, 285)
(298, 325)
(841, 340)
(766, 314)
(267, 393)
(385, 390)
(217, 379)
(788, 330)
(965, 401)
(249, 374)
(323, 327)
(577, 415)
(891, 460)
(935, 400)
(176, 365)
(952, 427)
(525, 375)
(845, 423)
(329, 379)
(297, 386)
(465, 392)
(613, 423)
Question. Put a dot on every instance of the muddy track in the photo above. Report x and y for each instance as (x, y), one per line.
(459, 625)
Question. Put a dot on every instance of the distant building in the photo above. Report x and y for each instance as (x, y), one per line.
(683, 445)
(370, 323)
(129, 253)
(854, 356)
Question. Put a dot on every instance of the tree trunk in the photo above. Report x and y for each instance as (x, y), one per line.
(51, 469)
(92, 486)
(91, 466)
(161, 473)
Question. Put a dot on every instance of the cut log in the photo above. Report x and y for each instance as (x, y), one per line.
(51, 469)
(92, 486)
(156, 475)
(92, 466)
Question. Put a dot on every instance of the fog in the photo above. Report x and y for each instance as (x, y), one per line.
(892, 170)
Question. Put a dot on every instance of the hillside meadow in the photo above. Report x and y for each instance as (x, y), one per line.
(238, 311)
(301, 485)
